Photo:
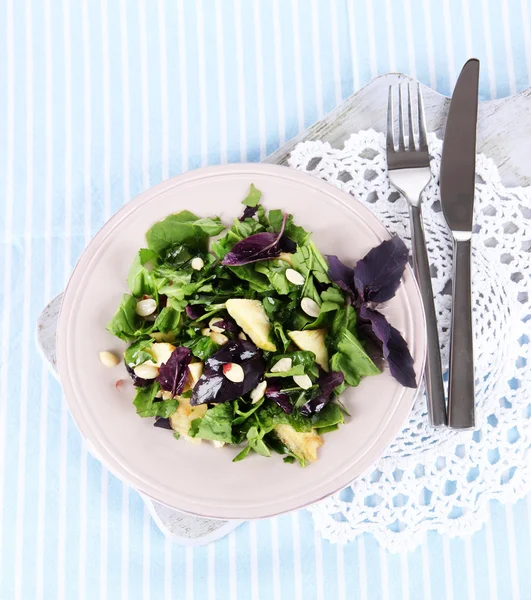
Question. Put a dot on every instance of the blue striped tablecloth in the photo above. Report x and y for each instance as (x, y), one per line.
(102, 99)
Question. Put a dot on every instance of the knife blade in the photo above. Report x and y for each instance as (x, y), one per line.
(457, 185)
(458, 166)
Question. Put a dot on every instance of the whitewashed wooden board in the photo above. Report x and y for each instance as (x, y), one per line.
(504, 134)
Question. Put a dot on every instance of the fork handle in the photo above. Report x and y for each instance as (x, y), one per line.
(461, 398)
(433, 372)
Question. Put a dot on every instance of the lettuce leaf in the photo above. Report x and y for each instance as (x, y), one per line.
(216, 424)
(182, 228)
(126, 324)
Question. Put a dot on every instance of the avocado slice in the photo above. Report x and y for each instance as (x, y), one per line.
(312, 340)
(304, 444)
(251, 317)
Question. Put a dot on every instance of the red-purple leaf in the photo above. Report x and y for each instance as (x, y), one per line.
(137, 381)
(327, 382)
(248, 212)
(226, 325)
(377, 275)
(274, 393)
(173, 374)
(214, 387)
(260, 246)
(194, 311)
(394, 347)
(340, 274)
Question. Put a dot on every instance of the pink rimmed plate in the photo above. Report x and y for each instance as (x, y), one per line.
(201, 479)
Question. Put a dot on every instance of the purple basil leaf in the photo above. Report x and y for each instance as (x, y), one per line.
(226, 325)
(137, 381)
(341, 274)
(260, 246)
(173, 374)
(194, 311)
(162, 423)
(377, 275)
(249, 212)
(394, 347)
(274, 393)
(214, 387)
(327, 382)
(286, 244)
(314, 406)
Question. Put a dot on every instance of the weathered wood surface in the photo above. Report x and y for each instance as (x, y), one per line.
(504, 126)
(504, 134)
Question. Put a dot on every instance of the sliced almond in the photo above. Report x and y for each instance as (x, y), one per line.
(147, 307)
(197, 263)
(146, 370)
(284, 364)
(242, 336)
(205, 331)
(258, 393)
(109, 359)
(310, 307)
(213, 327)
(303, 381)
(233, 372)
(218, 338)
(294, 277)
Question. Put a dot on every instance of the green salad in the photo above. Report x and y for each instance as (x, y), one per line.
(247, 336)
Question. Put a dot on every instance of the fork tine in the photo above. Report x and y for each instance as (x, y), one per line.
(423, 140)
(390, 122)
(410, 117)
(401, 145)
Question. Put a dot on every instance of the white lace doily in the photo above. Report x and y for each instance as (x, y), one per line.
(443, 479)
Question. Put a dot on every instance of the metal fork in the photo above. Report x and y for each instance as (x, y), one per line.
(409, 172)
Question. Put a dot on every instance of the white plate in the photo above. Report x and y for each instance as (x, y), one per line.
(201, 479)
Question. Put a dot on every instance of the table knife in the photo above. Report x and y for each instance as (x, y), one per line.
(457, 184)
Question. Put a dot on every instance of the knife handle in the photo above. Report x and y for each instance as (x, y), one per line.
(461, 397)
(433, 372)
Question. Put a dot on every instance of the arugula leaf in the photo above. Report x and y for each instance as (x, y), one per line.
(146, 406)
(352, 359)
(329, 416)
(275, 271)
(139, 279)
(126, 324)
(296, 370)
(243, 454)
(182, 228)
(308, 259)
(327, 429)
(138, 353)
(303, 358)
(202, 347)
(253, 197)
(332, 294)
(309, 290)
(280, 335)
(215, 425)
(243, 416)
(256, 442)
(345, 318)
(167, 320)
(295, 233)
(257, 281)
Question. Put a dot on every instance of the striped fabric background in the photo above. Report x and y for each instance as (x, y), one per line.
(103, 98)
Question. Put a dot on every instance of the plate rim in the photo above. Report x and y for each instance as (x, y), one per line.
(126, 474)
